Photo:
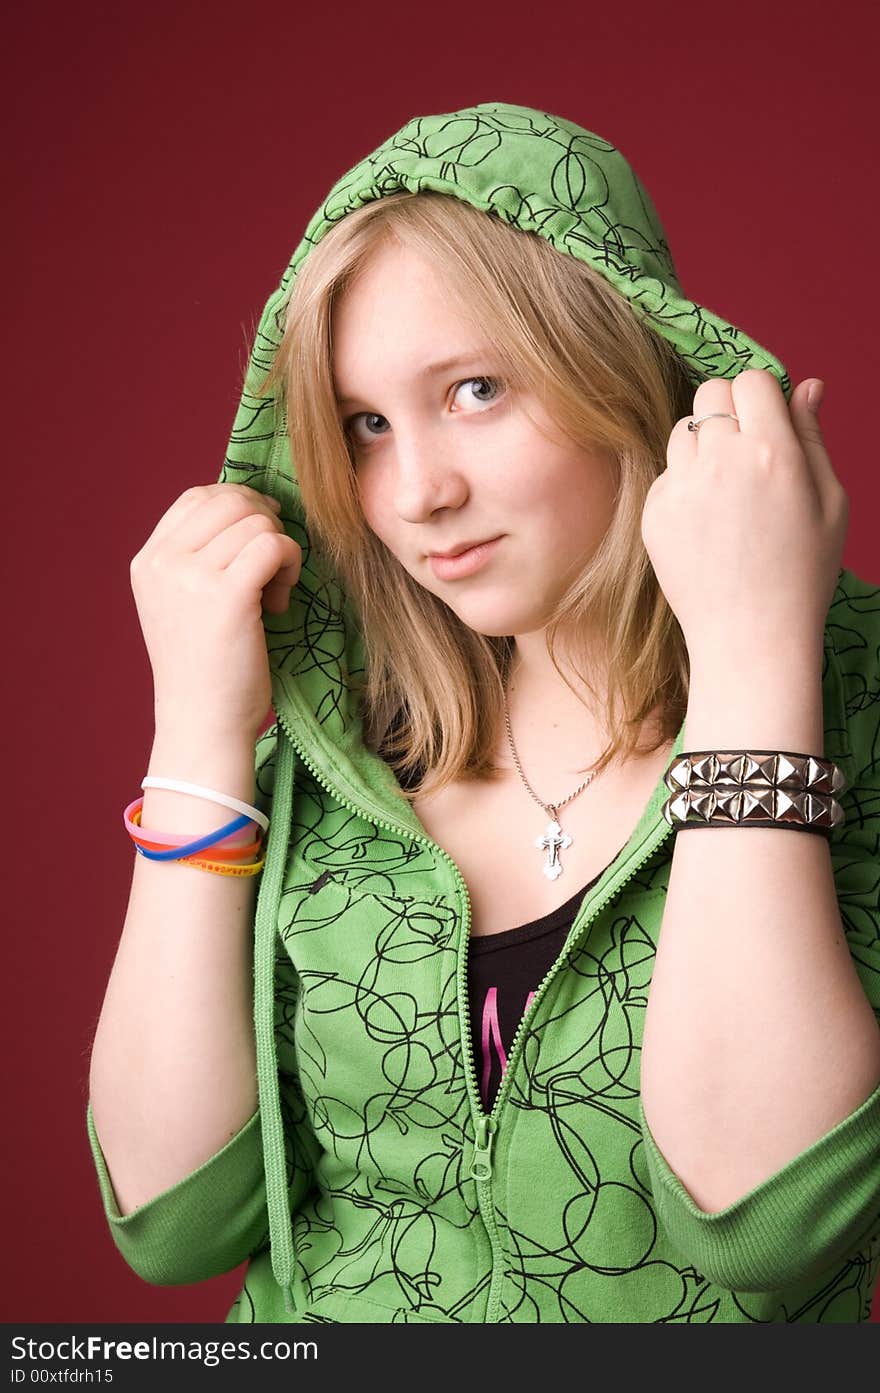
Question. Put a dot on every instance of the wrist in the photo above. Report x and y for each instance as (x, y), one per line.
(174, 724)
(203, 720)
(201, 757)
(741, 659)
(761, 709)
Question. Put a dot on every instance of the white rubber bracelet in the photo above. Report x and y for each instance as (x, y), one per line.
(176, 786)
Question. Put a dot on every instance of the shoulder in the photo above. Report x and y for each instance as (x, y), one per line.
(852, 649)
(852, 626)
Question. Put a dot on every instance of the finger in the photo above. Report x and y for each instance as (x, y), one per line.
(186, 504)
(276, 595)
(684, 444)
(715, 400)
(171, 519)
(218, 509)
(265, 559)
(222, 550)
(761, 407)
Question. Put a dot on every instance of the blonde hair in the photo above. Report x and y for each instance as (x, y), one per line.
(433, 698)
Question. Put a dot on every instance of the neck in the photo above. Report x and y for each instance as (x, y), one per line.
(557, 731)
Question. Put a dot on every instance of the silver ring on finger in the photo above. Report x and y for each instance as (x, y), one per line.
(727, 415)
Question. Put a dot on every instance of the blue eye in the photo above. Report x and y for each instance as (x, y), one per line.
(373, 416)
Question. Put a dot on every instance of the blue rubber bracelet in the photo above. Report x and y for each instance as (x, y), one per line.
(211, 839)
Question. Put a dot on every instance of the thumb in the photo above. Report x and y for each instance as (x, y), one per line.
(804, 406)
(815, 395)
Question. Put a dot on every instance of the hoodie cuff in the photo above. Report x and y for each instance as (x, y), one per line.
(207, 1223)
(819, 1207)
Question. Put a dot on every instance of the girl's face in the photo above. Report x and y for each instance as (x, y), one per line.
(445, 453)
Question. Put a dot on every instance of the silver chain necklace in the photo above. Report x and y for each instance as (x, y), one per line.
(554, 839)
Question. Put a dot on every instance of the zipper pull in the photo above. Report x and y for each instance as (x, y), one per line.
(481, 1163)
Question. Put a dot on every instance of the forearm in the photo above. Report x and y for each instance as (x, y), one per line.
(758, 1035)
(173, 1066)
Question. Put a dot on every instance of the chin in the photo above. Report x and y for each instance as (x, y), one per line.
(501, 622)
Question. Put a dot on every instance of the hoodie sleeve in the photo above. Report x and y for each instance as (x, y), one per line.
(208, 1223)
(214, 1218)
(824, 1204)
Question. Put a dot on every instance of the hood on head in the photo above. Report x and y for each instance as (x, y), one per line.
(540, 173)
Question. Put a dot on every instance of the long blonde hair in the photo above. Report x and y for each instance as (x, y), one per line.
(433, 698)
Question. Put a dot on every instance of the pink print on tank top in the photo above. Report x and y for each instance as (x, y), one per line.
(491, 1035)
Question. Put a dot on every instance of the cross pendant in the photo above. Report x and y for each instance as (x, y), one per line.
(553, 841)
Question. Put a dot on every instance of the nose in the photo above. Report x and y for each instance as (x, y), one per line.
(427, 478)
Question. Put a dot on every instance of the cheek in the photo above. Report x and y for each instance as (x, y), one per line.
(589, 483)
(578, 503)
(377, 511)
(370, 501)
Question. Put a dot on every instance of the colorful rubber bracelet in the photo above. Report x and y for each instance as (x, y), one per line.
(178, 853)
(226, 801)
(160, 839)
(227, 851)
(227, 868)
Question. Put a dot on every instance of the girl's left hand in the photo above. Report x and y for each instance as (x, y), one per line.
(746, 526)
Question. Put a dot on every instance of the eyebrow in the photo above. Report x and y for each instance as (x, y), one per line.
(432, 369)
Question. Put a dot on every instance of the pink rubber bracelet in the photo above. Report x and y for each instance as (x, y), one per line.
(241, 838)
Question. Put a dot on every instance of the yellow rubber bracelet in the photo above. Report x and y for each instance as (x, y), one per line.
(221, 867)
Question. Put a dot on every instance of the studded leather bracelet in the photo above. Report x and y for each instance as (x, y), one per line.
(754, 788)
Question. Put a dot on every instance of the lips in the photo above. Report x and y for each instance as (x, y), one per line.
(465, 546)
(465, 562)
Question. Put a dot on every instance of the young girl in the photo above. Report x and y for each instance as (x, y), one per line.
(538, 563)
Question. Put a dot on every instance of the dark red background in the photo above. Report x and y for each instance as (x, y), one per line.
(163, 161)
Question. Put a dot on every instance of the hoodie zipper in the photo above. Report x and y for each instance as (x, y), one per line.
(485, 1124)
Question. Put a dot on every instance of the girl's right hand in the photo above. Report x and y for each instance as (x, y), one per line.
(214, 561)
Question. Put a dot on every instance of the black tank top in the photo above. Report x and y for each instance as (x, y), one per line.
(505, 971)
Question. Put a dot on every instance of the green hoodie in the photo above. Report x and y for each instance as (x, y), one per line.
(370, 1185)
